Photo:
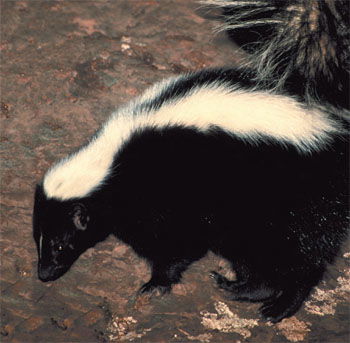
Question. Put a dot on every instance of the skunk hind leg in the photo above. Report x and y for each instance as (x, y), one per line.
(248, 289)
(294, 291)
(285, 304)
(279, 300)
(276, 304)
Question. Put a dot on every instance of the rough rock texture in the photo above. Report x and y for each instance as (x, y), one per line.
(65, 66)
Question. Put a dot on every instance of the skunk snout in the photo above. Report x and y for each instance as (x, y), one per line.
(49, 273)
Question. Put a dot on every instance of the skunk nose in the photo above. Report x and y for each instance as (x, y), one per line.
(46, 273)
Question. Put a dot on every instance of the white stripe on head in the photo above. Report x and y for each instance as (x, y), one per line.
(246, 114)
(40, 245)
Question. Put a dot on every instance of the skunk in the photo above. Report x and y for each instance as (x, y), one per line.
(218, 159)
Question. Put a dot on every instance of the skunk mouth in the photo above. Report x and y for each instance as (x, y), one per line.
(50, 273)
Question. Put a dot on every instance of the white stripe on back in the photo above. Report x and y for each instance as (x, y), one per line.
(249, 115)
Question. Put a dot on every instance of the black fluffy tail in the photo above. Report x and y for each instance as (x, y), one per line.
(301, 46)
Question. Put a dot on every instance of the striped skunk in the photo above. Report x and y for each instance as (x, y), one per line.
(250, 163)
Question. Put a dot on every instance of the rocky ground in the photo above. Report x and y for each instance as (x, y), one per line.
(65, 66)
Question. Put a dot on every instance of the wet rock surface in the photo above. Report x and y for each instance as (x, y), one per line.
(65, 66)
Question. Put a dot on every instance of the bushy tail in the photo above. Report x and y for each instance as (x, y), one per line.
(301, 46)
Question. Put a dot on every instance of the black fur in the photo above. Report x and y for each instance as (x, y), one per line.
(278, 216)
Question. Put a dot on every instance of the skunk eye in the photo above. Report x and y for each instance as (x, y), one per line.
(60, 248)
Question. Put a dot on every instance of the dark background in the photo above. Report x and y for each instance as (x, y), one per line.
(65, 66)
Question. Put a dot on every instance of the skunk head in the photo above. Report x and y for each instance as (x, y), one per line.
(61, 232)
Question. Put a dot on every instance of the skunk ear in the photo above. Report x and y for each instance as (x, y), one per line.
(80, 216)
